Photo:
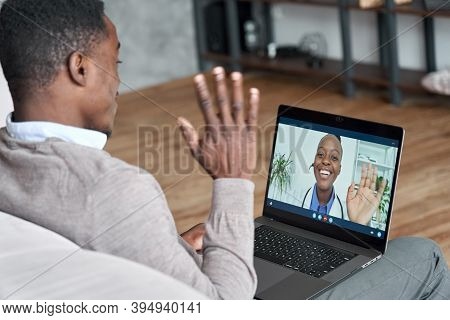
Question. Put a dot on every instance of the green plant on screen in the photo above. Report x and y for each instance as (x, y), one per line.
(282, 170)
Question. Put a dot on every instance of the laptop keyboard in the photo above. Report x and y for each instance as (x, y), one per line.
(297, 253)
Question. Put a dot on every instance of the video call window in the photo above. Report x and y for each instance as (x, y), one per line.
(321, 171)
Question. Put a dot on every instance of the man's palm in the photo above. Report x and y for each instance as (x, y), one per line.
(227, 148)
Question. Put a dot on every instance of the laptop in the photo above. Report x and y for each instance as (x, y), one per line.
(328, 202)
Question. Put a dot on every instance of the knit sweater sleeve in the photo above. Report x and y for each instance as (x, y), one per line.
(131, 219)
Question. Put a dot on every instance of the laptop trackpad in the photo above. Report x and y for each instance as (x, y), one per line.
(297, 286)
(269, 273)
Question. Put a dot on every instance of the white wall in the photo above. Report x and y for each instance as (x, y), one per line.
(292, 21)
(6, 104)
(158, 40)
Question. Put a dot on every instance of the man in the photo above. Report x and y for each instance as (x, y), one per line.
(60, 60)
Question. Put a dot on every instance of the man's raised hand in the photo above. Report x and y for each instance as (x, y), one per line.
(227, 147)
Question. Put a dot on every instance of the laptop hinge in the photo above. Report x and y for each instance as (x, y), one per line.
(371, 261)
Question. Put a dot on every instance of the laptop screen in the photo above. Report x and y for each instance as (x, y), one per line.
(333, 175)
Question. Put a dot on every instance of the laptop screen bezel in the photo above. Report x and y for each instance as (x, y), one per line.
(346, 123)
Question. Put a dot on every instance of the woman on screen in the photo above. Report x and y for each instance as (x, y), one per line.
(360, 203)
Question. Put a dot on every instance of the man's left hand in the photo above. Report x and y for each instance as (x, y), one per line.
(194, 236)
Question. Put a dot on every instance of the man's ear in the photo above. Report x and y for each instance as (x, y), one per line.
(78, 68)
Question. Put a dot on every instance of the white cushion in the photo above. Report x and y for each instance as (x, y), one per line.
(6, 104)
(36, 263)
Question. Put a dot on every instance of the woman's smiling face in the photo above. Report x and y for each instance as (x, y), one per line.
(327, 163)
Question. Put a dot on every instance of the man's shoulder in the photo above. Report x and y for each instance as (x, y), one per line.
(98, 165)
(87, 165)
(111, 182)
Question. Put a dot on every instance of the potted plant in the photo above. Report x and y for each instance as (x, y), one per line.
(282, 170)
(384, 203)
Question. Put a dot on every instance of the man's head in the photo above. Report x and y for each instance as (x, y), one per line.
(60, 60)
(327, 162)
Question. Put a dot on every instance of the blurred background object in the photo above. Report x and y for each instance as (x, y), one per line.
(437, 4)
(251, 34)
(399, 2)
(438, 82)
(315, 46)
(390, 47)
(365, 4)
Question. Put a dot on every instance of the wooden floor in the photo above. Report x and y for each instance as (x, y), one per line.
(422, 206)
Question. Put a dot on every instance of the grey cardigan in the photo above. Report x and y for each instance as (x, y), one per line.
(104, 204)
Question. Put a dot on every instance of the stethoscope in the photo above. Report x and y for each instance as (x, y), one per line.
(337, 197)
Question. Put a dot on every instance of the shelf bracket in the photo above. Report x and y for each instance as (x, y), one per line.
(233, 33)
(430, 46)
(382, 38)
(347, 59)
(200, 34)
(392, 49)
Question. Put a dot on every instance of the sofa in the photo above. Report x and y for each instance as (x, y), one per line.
(36, 263)
(6, 104)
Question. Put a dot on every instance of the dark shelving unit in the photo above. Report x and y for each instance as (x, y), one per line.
(386, 74)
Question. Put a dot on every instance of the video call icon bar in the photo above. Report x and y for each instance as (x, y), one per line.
(323, 218)
(326, 218)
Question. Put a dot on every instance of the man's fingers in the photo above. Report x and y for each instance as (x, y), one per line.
(252, 120)
(238, 98)
(190, 135)
(204, 100)
(222, 95)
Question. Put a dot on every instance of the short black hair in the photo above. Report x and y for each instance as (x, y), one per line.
(38, 36)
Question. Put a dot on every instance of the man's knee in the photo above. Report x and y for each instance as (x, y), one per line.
(417, 247)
